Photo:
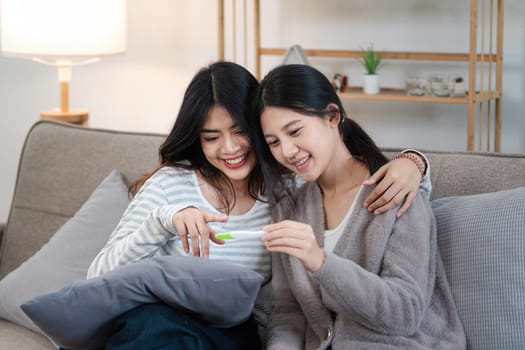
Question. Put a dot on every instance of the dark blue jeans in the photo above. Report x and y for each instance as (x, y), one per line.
(160, 327)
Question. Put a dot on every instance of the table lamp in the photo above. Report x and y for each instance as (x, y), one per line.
(63, 33)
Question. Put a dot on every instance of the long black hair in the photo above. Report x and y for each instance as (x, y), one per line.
(224, 84)
(307, 91)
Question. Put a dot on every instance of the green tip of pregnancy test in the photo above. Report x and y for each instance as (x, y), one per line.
(224, 235)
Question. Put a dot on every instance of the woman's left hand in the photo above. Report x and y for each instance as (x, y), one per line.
(295, 239)
(400, 180)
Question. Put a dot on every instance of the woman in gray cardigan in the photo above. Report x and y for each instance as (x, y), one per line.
(343, 278)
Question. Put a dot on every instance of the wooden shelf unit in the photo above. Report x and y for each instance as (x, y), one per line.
(485, 63)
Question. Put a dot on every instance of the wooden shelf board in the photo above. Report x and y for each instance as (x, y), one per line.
(394, 55)
(393, 94)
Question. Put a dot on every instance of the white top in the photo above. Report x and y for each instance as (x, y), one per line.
(331, 237)
(146, 228)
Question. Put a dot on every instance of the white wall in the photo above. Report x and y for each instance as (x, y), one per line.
(169, 40)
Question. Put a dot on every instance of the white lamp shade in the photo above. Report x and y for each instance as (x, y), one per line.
(62, 29)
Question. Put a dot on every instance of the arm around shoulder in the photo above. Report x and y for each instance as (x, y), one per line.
(426, 185)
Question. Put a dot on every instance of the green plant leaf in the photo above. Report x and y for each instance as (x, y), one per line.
(371, 60)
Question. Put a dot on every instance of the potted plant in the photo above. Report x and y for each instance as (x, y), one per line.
(371, 61)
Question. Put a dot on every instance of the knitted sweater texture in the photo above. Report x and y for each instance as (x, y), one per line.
(383, 287)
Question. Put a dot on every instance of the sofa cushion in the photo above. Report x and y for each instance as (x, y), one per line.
(80, 316)
(482, 243)
(67, 255)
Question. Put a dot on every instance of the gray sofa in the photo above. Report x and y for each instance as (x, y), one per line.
(62, 164)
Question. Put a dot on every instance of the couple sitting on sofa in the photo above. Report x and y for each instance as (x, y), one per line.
(340, 274)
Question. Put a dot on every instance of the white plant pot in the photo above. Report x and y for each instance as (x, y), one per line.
(371, 84)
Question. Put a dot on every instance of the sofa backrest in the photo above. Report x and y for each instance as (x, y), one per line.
(62, 164)
(465, 173)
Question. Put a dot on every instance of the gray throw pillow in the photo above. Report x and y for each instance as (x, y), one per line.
(80, 316)
(68, 254)
(482, 243)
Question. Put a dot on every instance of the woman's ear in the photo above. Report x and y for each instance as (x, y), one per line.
(334, 117)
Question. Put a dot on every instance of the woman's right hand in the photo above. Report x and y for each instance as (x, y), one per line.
(193, 222)
(296, 239)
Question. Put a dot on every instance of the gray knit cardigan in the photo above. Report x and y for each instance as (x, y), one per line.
(383, 287)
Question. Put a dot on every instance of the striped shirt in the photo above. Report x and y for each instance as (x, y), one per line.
(146, 228)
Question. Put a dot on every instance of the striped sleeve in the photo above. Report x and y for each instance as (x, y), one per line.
(143, 229)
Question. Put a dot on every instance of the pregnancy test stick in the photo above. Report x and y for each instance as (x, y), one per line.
(224, 235)
(239, 235)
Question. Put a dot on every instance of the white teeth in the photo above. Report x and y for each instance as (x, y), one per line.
(303, 161)
(236, 160)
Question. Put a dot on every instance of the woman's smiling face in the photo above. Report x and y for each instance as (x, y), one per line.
(226, 146)
(303, 144)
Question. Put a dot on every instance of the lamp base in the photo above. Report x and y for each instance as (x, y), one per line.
(74, 116)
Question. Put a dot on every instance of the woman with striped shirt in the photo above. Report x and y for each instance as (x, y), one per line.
(209, 181)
